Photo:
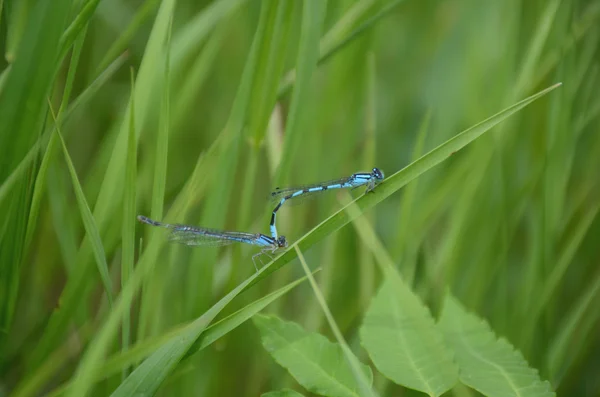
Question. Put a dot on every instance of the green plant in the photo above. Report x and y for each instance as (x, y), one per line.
(224, 101)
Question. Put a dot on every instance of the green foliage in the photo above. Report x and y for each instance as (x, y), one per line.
(235, 97)
(403, 342)
(489, 365)
(317, 364)
(22, 108)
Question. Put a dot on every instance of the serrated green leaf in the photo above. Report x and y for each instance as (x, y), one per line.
(489, 365)
(315, 362)
(282, 393)
(403, 342)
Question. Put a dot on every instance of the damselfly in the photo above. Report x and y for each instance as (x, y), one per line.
(193, 235)
(281, 195)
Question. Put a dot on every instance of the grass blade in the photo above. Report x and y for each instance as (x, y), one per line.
(282, 393)
(213, 333)
(80, 101)
(360, 379)
(129, 214)
(399, 179)
(313, 14)
(88, 219)
(22, 109)
(147, 377)
(111, 188)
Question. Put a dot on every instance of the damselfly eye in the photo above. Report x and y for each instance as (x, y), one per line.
(282, 242)
(378, 174)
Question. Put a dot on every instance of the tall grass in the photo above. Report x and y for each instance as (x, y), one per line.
(232, 98)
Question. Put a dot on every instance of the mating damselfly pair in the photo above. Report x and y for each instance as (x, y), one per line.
(195, 235)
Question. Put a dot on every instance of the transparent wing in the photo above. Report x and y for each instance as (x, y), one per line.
(191, 235)
(279, 193)
(191, 238)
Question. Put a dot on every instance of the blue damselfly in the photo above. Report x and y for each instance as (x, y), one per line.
(281, 195)
(194, 235)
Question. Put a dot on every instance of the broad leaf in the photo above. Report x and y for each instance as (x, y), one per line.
(491, 366)
(316, 363)
(403, 342)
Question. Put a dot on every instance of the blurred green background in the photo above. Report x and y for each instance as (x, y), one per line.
(510, 224)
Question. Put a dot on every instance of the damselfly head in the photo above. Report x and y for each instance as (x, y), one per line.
(282, 242)
(378, 174)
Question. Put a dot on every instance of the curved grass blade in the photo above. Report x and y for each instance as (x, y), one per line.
(83, 98)
(162, 362)
(315, 362)
(106, 205)
(211, 334)
(398, 180)
(489, 365)
(22, 111)
(363, 384)
(79, 24)
(333, 42)
(147, 377)
(88, 219)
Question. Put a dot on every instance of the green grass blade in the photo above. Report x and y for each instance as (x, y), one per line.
(77, 26)
(282, 393)
(147, 377)
(40, 180)
(159, 362)
(313, 14)
(129, 217)
(535, 48)
(79, 102)
(88, 220)
(399, 179)
(212, 333)
(197, 29)
(159, 182)
(575, 238)
(574, 332)
(364, 384)
(228, 158)
(339, 37)
(405, 248)
(489, 365)
(111, 187)
(316, 363)
(22, 109)
(142, 15)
